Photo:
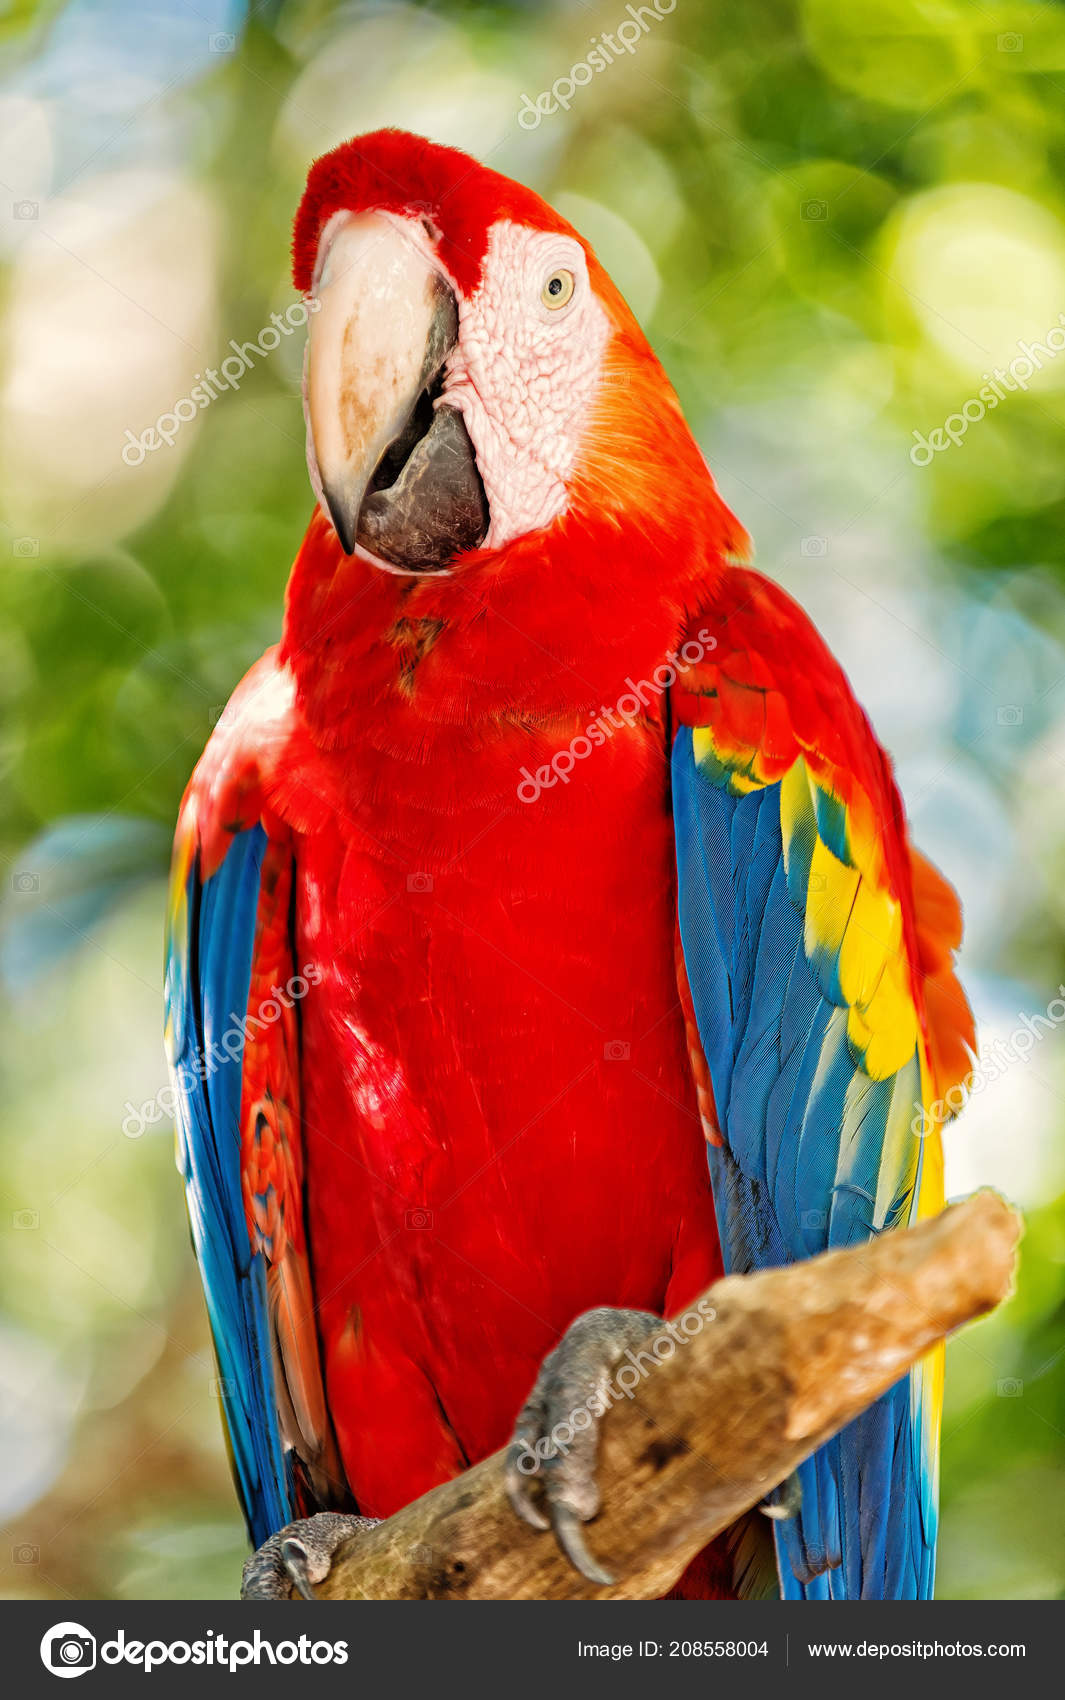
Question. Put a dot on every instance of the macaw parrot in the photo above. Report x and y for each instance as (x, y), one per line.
(545, 936)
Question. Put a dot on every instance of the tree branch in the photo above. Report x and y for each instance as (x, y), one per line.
(790, 1356)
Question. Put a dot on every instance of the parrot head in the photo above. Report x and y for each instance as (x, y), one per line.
(512, 513)
(473, 377)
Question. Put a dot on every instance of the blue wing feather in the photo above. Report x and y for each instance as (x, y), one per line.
(208, 973)
(805, 1136)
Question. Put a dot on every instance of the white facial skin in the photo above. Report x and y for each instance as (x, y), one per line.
(525, 372)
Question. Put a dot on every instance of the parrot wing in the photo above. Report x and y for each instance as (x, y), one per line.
(232, 1036)
(817, 950)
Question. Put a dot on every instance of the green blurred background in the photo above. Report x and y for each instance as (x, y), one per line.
(833, 218)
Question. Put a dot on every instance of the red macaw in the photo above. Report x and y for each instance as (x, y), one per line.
(547, 854)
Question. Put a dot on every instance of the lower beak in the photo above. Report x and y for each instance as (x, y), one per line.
(393, 466)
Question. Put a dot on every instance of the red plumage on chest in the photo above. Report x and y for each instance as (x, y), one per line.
(499, 1122)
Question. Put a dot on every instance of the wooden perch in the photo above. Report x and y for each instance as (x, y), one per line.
(791, 1355)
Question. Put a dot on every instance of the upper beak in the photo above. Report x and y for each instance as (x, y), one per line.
(396, 473)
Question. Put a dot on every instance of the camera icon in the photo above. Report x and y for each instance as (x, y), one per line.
(25, 209)
(813, 1220)
(25, 548)
(26, 1220)
(419, 882)
(1010, 43)
(1009, 714)
(68, 1649)
(616, 1050)
(817, 882)
(1009, 1387)
(814, 547)
(25, 1554)
(817, 211)
(25, 882)
(223, 42)
(220, 1387)
(419, 1219)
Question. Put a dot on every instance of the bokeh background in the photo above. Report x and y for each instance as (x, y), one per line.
(833, 218)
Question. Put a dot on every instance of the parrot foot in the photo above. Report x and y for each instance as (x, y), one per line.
(556, 1436)
(299, 1555)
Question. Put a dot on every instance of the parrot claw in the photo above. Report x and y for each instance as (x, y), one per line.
(785, 1501)
(299, 1556)
(297, 1561)
(550, 1474)
(570, 1537)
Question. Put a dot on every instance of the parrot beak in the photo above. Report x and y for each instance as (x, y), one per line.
(393, 467)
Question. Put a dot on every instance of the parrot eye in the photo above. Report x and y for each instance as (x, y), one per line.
(558, 288)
